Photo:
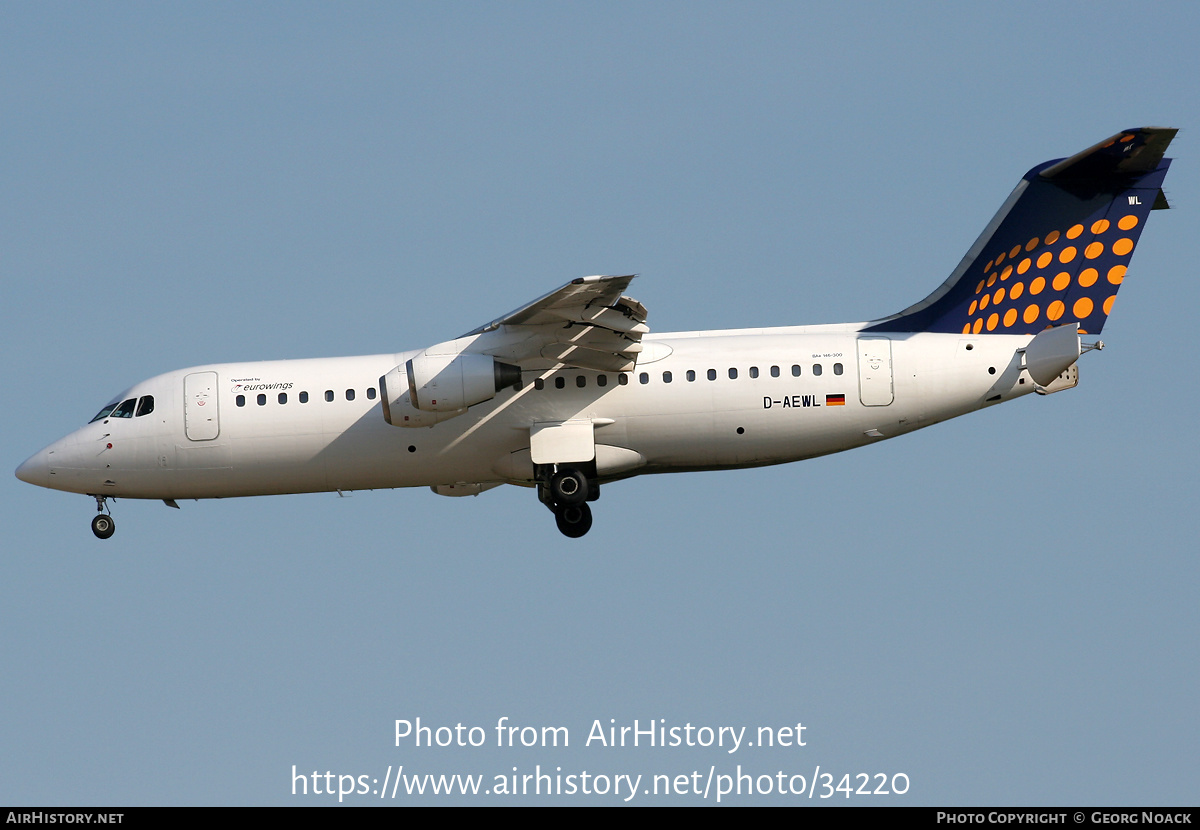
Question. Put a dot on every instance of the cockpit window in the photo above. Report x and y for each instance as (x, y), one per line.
(104, 413)
(145, 405)
(125, 410)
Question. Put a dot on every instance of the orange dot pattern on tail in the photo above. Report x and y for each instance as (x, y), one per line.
(1061, 266)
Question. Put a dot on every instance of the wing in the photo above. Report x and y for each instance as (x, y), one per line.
(587, 324)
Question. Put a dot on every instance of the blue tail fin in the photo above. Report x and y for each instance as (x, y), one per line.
(1058, 249)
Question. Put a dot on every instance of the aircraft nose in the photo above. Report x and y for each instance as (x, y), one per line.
(36, 469)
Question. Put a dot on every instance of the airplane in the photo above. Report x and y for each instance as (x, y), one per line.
(572, 391)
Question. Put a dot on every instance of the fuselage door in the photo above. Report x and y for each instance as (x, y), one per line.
(875, 371)
(200, 406)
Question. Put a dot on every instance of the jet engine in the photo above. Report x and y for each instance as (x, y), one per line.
(432, 388)
(398, 409)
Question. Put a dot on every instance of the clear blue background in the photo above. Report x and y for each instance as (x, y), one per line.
(1002, 607)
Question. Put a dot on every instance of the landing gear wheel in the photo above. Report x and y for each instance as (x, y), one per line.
(574, 520)
(103, 526)
(569, 487)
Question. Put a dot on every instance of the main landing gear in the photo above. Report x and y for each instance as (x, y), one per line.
(567, 491)
(102, 524)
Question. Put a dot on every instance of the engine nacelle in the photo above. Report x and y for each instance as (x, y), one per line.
(397, 403)
(447, 383)
(432, 388)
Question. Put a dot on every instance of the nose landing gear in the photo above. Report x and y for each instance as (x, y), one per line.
(567, 491)
(102, 523)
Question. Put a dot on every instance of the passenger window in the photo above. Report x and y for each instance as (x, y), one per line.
(539, 384)
(796, 370)
(691, 375)
(837, 368)
(733, 374)
(125, 410)
(241, 400)
(712, 374)
(262, 400)
(145, 405)
(622, 379)
(602, 380)
(303, 397)
(580, 381)
(753, 371)
(349, 394)
(560, 382)
(774, 371)
(817, 369)
(643, 378)
(283, 397)
(667, 377)
(370, 393)
(329, 395)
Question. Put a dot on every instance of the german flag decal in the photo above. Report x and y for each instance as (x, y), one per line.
(835, 400)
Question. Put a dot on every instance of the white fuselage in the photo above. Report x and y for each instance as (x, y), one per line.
(199, 444)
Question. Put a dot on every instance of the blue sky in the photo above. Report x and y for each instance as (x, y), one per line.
(1001, 607)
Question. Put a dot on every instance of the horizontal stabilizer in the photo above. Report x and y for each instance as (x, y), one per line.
(1128, 154)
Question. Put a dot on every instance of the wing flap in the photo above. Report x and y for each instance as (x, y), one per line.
(584, 358)
(588, 323)
(578, 294)
(612, 319)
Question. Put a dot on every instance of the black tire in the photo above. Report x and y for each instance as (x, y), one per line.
(574, 520)
(568, 487)
(103, 526)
